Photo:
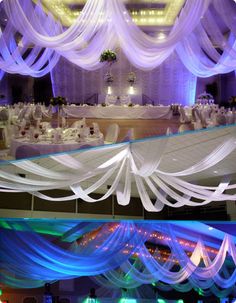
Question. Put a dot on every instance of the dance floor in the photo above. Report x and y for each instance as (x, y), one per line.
(142, 128)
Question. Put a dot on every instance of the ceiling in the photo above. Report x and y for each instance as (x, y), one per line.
(145, 13)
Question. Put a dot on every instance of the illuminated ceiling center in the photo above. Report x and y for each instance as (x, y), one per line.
(144, 13)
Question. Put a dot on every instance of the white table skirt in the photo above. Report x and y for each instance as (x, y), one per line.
(119, 112)
(46, 147)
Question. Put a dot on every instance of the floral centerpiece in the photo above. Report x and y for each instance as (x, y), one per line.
(58, 101)
(205, 96)
(130, 105)
(108, 56)
(131, 78)
(108, 77)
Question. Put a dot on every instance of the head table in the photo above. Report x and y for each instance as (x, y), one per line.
(118, 111)
(46, 147)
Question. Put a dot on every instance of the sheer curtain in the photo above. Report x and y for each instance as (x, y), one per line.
(107, 24)
(121, 166)
(119, 257)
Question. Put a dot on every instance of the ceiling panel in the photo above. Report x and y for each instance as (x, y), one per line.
(143, 12)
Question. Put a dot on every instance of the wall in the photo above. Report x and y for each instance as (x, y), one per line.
(4, 90)
(203, 82)
(228, 86)
(169, 83)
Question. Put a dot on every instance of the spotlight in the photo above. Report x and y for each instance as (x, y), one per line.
(109, 90)
(47, 298)
(161, 36)
(92, 296)
(131, 90)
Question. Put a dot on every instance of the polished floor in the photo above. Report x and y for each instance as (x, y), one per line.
(141, 128)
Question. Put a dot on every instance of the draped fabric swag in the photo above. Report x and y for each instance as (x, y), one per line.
(118, 257)
(124, 167)
(107, 25)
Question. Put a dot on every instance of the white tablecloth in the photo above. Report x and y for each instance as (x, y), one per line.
(46, 147)
(119, 112)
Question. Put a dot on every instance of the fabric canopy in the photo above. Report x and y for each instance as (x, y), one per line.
(123, 167)
(118, 256)
(107, 25)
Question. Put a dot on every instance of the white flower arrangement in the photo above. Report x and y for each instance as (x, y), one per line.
(131, 77)
(108, 77)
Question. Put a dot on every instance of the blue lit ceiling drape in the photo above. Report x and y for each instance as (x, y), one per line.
(119, 255)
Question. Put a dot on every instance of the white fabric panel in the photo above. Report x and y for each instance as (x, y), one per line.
(119, 112)
(120, 166)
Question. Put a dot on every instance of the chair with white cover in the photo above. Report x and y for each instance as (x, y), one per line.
(84, 132)
(183, 117)
(112, 134)
(129, 135)
(125, 99)
(4, 115)
(197, 123)
(63, 122)
(4, 140)
(110, 99)
(207, 117)
(23, 112)
(169, 131)
(230, 117)
(184, 128)
(46, 125)
(233, 116)
(96, 128)
(4, 128)
(221, 119)
(37, 112)
(79, 123)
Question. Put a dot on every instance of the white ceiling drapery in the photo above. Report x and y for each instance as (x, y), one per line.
(122, 166)
(107, 24)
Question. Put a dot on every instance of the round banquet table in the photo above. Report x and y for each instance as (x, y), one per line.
(46, 147)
